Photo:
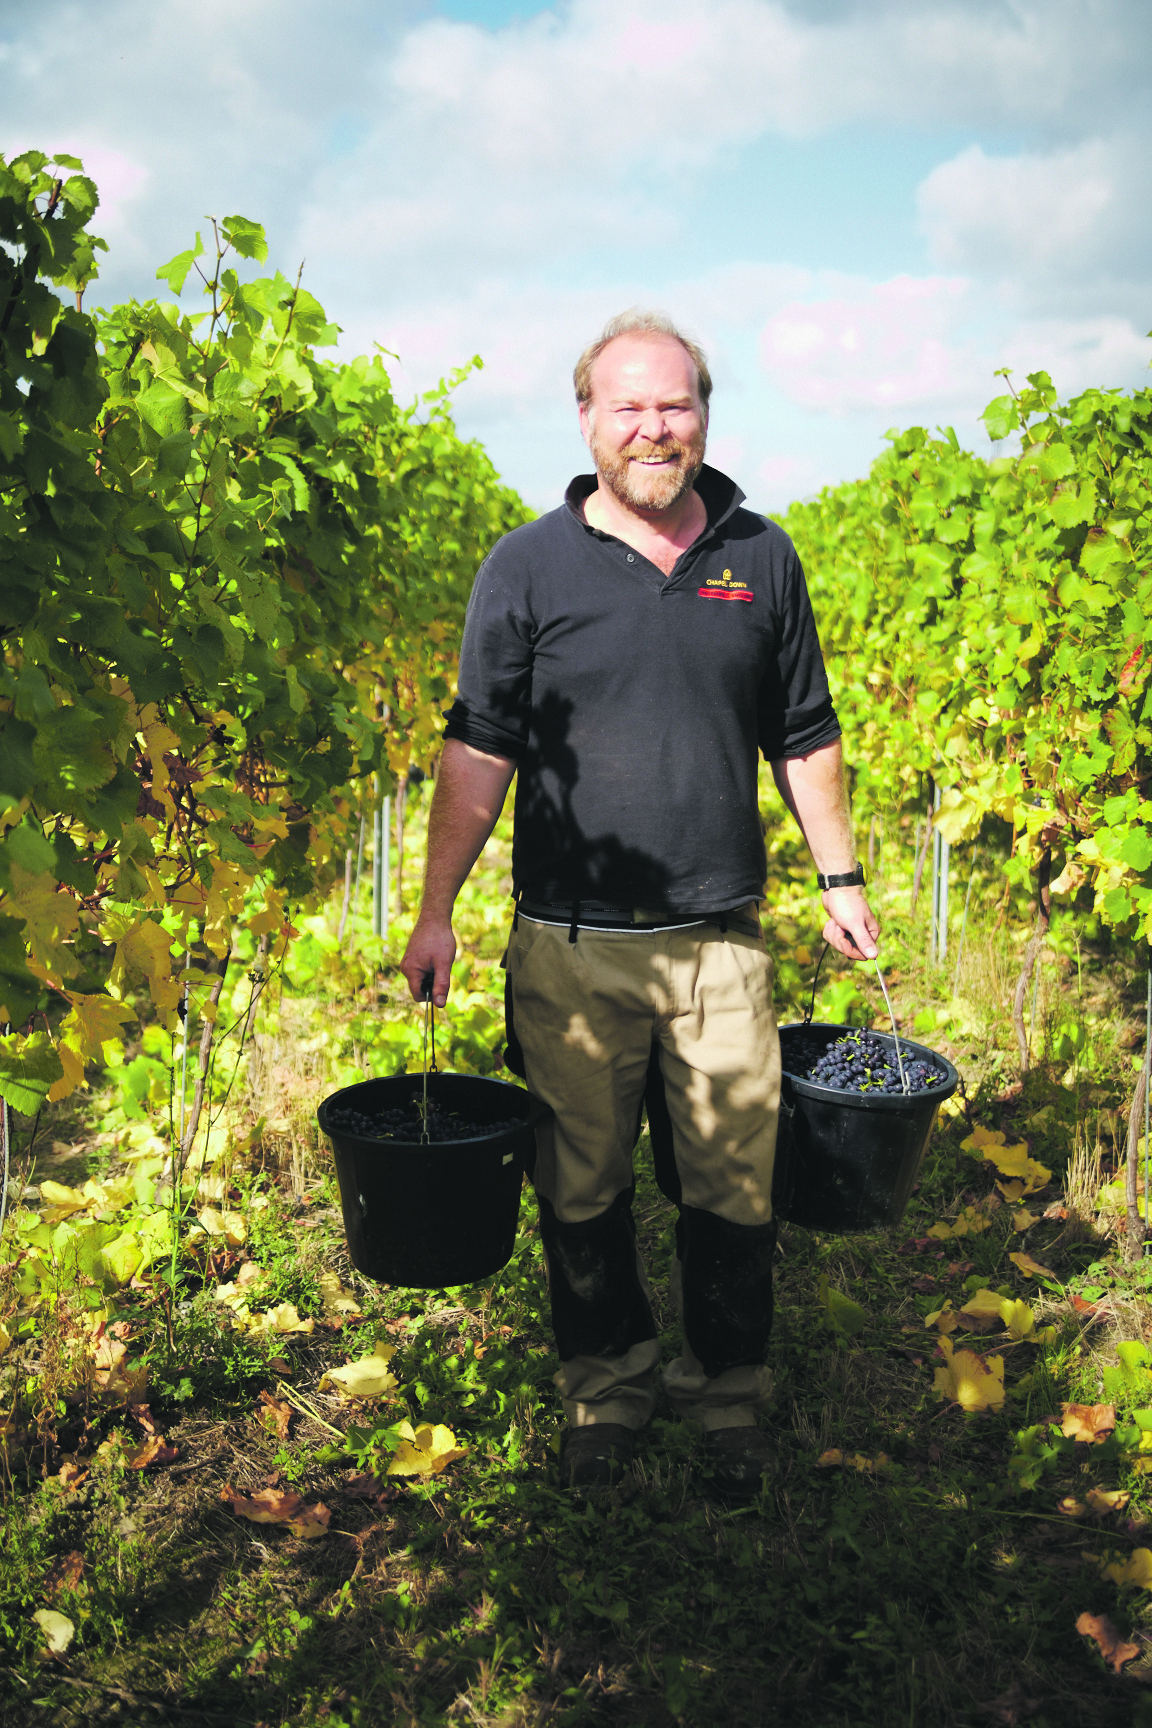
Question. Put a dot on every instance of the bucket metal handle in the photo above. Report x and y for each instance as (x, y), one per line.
(811, 1009)
(895, 1034)
(426, 984)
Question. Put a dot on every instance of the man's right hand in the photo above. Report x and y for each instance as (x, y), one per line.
(431, 950)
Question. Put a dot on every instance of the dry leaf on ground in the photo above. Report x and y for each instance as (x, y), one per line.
(944, 1319)
(1090, 1422)
(335, 1298)
(71, 1475)
(1101, 1501)
(1071, 1507)
(1032, 1268)
(65, 1573)
(1104, 1635)
(368, 1377)
(275, 1415)
(230, 1225)
(424, 1451)
(969, 1380)
(278, 1506)
(970, 1222)
(58, 1630)
(155, 1450)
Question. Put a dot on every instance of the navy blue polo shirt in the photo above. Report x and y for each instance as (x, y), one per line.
(634, 705)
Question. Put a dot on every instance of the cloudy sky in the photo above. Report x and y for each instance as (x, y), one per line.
(861, 207)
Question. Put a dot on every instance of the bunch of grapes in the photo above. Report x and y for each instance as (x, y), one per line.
(406, 1124)
(862, 1063)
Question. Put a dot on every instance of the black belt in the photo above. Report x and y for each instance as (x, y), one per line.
(599, 915)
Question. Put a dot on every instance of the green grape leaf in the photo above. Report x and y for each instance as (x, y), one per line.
(28, 1067)
(245, 237)
(175, 272)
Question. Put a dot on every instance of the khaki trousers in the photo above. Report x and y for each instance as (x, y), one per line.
(587, 1017)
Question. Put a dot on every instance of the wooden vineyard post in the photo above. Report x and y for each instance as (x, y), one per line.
(401, 802)
(921, 856)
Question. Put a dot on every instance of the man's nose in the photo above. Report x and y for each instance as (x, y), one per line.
(653, 425)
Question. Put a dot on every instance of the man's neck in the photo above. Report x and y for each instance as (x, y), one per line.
(658, 535)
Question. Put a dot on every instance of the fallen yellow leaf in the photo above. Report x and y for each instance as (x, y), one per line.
(369, 1377)
(57, 1629)
(831, 1459)
(981, 1138)
(1137, 1569)
(1023, 1219)
(1031, 1268)
(335, 1298)
(279, 1506)
(282, 1318)
(1101, 1500)
(424, 1451)
(230, 1225)
(1071, 1507)
(943, 1319)
(970, 1222)
(969, 1380)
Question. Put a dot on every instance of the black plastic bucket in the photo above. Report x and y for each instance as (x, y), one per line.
(848, 1160)
(427, 1216)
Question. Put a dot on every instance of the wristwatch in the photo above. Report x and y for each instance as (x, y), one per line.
(846, 879)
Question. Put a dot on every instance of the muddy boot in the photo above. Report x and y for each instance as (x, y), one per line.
(596, 1456)
(740, 1461)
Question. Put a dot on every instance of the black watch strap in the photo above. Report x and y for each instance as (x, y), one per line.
(846, 879)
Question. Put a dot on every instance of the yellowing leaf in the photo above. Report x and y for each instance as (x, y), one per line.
(123, 1257)
(1031, 1268)
(51, 918)
(831, 1459)
(981, 1138)
(984, 1306)
(61, 1201)
(336, 1299)
(1101, 1500)
(144, 956)
(1137, 1569)
(282, 1318)
(1071, 1507)
(424, 1451)
(1023, 1219)
(58, 1630)
(969, 1380)
(1018, 1318)
(369, 1377)
(970, 1223)
(944, 1319)
(230, 1225)
(5, 1339)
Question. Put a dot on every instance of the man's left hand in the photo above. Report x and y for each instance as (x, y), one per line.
(852, 927)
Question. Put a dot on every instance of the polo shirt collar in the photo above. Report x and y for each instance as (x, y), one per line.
(721, 497)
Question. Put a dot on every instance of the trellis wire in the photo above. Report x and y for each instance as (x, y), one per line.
(381, 865)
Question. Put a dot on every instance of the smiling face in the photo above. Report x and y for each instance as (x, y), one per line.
(645, 424)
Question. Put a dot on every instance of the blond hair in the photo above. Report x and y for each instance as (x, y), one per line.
(636, 322)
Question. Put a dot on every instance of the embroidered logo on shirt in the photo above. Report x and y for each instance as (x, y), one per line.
(723, 587)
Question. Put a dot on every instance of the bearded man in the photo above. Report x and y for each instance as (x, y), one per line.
(628, 655)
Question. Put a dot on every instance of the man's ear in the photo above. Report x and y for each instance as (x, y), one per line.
(587, 422)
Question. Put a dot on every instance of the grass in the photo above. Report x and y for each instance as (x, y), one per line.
(920, 1581)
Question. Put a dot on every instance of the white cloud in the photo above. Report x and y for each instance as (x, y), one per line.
(1032, 212)
(887, 345)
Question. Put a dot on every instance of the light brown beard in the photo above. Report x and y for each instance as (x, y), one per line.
(639, 487)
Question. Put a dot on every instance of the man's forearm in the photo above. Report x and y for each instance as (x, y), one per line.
(470, 790)
(813, 789)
